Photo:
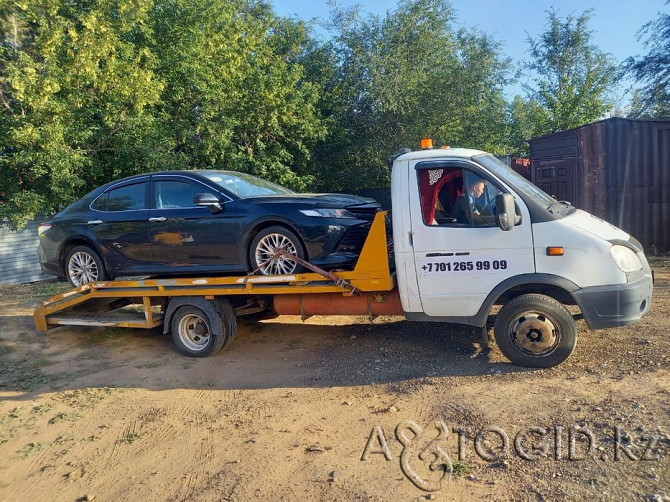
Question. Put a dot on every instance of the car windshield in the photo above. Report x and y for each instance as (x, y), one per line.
(244, 185)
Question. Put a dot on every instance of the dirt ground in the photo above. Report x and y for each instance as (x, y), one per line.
(309, 411)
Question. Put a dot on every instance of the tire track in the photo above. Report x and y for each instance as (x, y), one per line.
(193, 481)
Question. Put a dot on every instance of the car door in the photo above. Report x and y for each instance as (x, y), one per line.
(188, 238)
(118, 222)
(460, 253)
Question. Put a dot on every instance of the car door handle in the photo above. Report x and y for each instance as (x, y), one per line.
(94, 222)
(158, 219)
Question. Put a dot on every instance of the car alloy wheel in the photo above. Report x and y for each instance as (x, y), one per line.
(83, 265)
(82, 269)
(268, 246)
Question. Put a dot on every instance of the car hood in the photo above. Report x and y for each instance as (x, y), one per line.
(324, 200)
(596, 226)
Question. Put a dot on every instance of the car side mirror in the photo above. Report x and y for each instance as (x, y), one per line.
(506, 213)
(208, 199)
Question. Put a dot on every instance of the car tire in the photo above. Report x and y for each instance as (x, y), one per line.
(84, 265)
(266, 242)
(535, 331)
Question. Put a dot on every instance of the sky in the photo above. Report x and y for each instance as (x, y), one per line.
(615, 22)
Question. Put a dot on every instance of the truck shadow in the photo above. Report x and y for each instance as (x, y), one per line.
(278, 353)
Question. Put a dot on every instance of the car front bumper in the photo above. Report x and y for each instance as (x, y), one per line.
(333, 243)
(615, 305)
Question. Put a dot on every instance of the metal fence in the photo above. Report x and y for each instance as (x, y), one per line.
(18, 255)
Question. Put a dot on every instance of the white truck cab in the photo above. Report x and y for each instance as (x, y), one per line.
(469, 232)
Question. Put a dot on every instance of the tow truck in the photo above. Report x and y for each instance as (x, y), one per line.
(512, 258)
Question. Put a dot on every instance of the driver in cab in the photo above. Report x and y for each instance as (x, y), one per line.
(467, 211)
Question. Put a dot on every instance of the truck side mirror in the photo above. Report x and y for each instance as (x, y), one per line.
(506, 211)
(208, 199)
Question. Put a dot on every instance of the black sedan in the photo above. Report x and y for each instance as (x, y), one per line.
(201, 223)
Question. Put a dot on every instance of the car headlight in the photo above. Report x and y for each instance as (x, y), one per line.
(625, 258)
(327, 213)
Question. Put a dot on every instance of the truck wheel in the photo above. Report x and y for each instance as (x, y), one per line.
(535, 331)
(204, 330)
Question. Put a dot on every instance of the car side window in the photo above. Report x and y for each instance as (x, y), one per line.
(453, 196)
(127, 198)
(172, 194)
(100, 204)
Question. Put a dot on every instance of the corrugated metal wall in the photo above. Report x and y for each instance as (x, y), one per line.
(623, 174)
(638, 180)
(18, 255)
(590, 176)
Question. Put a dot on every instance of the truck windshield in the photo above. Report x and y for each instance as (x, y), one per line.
(527, 189)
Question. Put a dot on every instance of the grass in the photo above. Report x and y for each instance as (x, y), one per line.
(32, 448)
(41, 409)
(151, 364)
(84, 398)
(460, 468)
(107, 334)
(64, 417)
(10, 416)
(34, 291)
(130, 438)
(24, 373)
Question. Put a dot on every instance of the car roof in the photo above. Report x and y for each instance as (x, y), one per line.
(191, 172)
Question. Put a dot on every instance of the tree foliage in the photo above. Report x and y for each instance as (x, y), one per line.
(572, 76)
(527, 119)
(235, 93)
(398, 78)
(76, 90)
(653, 71)
(93, 90)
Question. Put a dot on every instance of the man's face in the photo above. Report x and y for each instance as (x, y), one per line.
(478, 189)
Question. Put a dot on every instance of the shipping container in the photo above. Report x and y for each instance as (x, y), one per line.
(617, 169)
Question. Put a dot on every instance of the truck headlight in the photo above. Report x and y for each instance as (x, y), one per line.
(327, 213)
(625, 258)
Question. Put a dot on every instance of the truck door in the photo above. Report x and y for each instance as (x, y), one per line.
(460, 253)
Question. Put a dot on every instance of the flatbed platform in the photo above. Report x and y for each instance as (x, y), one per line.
(98, 303)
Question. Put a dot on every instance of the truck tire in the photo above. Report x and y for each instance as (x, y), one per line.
(535, 331)
(203, 329)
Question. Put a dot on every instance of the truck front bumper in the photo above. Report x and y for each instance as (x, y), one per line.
(615, 305)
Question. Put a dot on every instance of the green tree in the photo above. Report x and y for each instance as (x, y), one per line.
(398, 78)
(76, 92)
(235, 95)
(572, 75)
(653, 70)
(527, 119)
(93, 90)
